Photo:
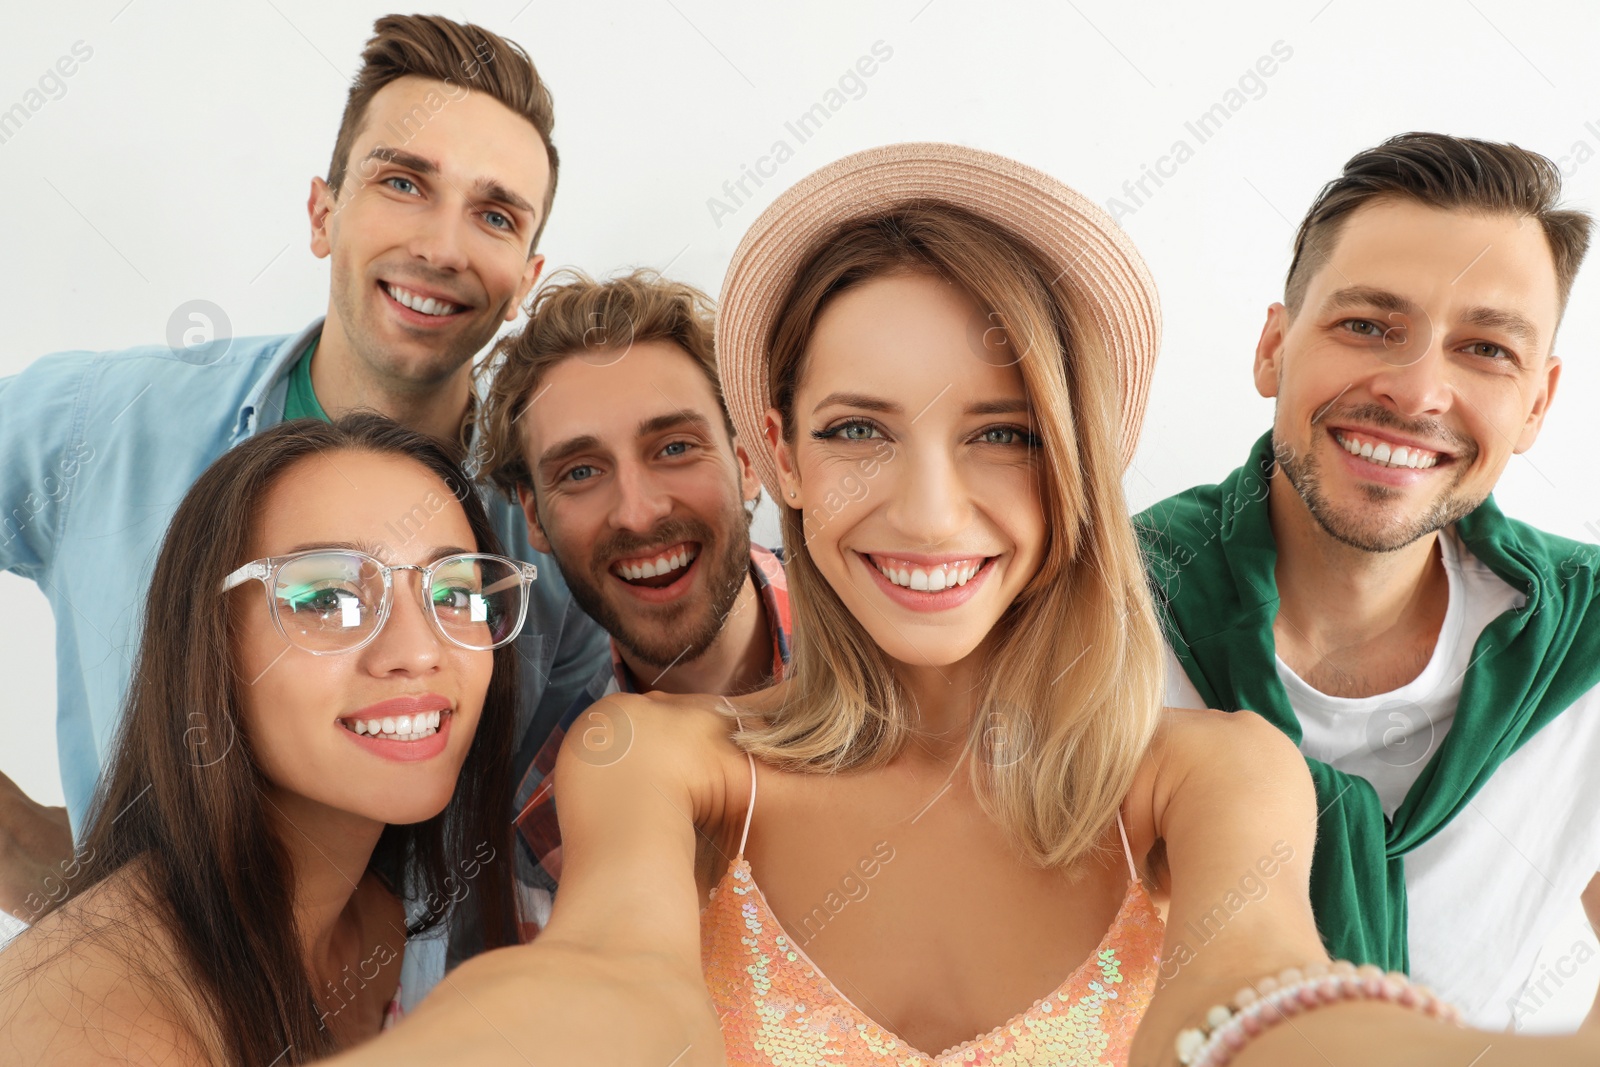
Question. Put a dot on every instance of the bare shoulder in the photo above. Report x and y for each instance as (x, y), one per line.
(1220, 749)
(98, 980)
(1213, 765)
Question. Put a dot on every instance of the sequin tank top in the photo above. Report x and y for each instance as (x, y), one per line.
(779, 1009)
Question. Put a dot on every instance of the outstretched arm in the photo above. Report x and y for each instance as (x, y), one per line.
(615, 977)
(1233, 801)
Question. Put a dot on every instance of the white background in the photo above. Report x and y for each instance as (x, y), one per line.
(176, 165)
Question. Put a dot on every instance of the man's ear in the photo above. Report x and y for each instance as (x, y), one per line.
(320, 209)
(1541, 404)
(1269, 350)
(530, 511)
(749, 481)
(783, 456)
(530, 278)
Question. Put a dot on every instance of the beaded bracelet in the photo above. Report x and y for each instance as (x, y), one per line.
(1270, 1001)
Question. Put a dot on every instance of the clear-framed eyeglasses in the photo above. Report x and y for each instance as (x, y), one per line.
(328, 601)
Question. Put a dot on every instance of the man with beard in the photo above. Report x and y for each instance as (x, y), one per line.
(440, 184)
(1355, 583)
(606, 422)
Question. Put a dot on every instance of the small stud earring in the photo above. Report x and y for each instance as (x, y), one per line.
(792, 494)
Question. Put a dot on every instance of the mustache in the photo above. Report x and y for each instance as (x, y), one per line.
(625, 543)
(1380, 416)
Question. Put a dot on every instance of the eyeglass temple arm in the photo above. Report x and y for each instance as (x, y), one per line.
(255, 571)
(525, 572)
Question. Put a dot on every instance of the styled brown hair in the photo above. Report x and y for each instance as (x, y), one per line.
(573, 314)
(1452, 173)
(431, 46)
(181, 797)
(1053, 762)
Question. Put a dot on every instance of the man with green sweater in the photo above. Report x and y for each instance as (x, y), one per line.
(1355, 582)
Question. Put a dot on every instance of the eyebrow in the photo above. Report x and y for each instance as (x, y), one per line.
(1002, 406)
(857, 400)
(1512, 323)
(1367, 296)
(372, 549)
(672, 421)
(559, 453)
(487, 188)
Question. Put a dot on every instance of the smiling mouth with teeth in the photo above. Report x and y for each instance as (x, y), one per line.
(397, 727)
(658, 570)
(924, 578)
(1382, 454)
(423, 305)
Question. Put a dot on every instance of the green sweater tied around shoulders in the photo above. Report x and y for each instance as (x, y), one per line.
(1211, 560)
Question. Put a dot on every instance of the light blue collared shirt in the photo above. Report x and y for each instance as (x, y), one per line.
(96, 451)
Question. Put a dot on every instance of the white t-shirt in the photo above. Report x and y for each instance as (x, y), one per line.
(1489, 888)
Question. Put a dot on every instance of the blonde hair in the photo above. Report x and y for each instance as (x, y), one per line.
(1074, 684)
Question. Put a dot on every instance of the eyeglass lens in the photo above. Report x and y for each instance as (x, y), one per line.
(329, 601)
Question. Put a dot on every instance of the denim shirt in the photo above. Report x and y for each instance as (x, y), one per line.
(96, 451)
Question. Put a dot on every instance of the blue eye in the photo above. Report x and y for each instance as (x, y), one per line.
(1009, 435)
(579, 474)
(676, 448)
(397, 178)
(508, 223)
(854, 430)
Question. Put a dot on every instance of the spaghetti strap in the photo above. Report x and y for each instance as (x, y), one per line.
(1133, 870)
(751, 810)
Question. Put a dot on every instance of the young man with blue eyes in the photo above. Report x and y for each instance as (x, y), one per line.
(606, 421)
(1354, 582)
(440, 184)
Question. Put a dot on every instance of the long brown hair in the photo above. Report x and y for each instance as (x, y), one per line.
(1073, 685)
(182, 794)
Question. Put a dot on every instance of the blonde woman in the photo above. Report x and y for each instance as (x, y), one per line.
(947, 835)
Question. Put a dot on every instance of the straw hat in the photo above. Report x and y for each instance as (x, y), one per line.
(1072, 236)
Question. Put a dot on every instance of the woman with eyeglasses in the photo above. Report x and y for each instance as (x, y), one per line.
(311, 766)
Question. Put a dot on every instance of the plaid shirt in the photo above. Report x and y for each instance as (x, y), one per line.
(538, 834)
